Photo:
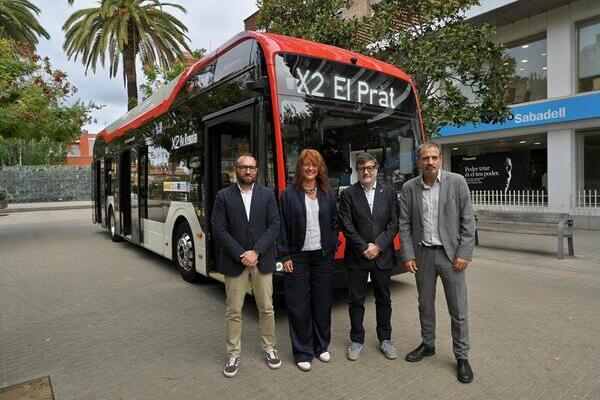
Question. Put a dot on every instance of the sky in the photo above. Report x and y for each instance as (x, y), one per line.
(210, 23)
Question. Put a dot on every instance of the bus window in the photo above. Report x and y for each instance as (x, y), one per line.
(342, 110)
(236, 59)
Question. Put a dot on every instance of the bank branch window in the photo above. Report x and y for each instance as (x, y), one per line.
(591, 155)
(529, 60)
(589, 56)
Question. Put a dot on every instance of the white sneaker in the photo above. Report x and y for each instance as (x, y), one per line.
(304, 365)
(325, 356)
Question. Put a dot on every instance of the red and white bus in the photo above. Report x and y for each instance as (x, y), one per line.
(156, 170)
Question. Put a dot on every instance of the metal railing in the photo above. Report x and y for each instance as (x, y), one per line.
(512, 200)
(587, 202)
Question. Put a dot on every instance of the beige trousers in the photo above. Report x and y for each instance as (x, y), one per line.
(235, 288)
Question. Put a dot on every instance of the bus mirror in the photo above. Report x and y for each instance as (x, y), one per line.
(258, 85)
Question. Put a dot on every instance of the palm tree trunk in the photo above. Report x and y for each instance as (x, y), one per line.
(129, 52)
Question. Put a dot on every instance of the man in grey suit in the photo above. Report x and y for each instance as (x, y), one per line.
(437, 233)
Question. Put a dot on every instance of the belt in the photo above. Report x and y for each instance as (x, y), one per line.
(434, 246)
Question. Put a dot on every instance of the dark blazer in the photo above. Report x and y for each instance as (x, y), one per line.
(235, 234)
(456, 217)
(361, 227)
(292, 210)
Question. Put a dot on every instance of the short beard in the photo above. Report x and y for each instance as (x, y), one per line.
(245, 181)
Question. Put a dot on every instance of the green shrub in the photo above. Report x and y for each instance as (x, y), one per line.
(3, 193)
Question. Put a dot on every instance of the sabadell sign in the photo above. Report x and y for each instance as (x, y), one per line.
(541, 113)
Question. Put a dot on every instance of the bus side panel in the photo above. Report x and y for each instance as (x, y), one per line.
(186, 210)
(153, 233)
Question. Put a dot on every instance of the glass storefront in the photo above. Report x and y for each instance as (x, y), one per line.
(503, 165)
(591, 167)
(589, 56)
(529, 82)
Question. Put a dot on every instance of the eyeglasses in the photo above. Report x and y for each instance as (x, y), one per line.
(367, 168)
(250, 168)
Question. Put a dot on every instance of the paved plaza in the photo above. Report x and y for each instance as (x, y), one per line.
(113, 321)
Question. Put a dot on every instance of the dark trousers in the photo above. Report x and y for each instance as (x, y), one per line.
(357, 289)
(308, 295)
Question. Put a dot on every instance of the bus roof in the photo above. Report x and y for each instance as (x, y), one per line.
(271, 44)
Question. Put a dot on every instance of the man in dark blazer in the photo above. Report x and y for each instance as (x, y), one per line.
(437, 234)
(245, 223)
(369, 216)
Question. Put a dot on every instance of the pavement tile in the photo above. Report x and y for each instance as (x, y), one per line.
(132, 329)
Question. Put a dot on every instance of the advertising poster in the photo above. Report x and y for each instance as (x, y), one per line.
(504, 171)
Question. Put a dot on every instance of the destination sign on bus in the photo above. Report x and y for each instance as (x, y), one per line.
(305, 76)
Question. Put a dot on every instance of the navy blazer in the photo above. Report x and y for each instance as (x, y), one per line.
(362, 227)
(235, 234)
(292, 210)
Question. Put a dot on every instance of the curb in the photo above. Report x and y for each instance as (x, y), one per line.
(43, 208)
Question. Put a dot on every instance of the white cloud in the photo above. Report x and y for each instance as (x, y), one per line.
(210, 23)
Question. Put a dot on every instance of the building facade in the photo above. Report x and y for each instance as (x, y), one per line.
(80, 152)
(546, 157)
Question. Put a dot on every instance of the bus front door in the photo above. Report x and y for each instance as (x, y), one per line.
(229, 135)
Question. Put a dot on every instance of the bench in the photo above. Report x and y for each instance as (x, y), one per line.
(528, 223)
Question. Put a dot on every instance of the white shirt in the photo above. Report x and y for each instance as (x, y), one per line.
(312, 238)
(370, 195)
(247, 199)
(430, 217)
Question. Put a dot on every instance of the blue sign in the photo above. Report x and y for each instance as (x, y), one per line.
(542, 113)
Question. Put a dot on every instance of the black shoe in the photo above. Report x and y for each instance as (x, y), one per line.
(464, 373)
(420, 352)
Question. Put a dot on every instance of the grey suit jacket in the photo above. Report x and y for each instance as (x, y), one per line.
(456, 219)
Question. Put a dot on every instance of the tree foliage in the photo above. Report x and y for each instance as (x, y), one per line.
(316, 20)
(44, 151)
(33, 95)
(126, 29)
(18, 22)
(460, 74)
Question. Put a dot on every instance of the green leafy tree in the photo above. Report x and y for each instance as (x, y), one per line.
(44, 151)
(33, 97)
(317, 20)
(126, 29)
(460, 74)
(18, 21)
(157, 76)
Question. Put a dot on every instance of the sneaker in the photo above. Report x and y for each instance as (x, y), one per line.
(388, 349)
(272, 356)
(354, 350)
(325, 356)
(304, 365)
(231, 367)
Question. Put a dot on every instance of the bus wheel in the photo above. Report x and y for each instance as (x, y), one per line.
(111, 227)
(185, 254)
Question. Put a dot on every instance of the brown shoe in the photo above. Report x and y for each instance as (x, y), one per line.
(231, 367)
(272, 356)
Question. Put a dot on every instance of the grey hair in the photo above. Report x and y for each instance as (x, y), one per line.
(427, 145)
(237, 160)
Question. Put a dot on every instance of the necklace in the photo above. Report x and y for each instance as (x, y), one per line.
(310, 191)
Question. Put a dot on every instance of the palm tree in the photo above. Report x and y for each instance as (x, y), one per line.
(18, 22)
(125, 28)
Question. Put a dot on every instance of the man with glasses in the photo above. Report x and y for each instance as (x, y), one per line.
(245, 222)
(369, 215)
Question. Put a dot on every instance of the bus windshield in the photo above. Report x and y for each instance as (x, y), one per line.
(342, 110)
